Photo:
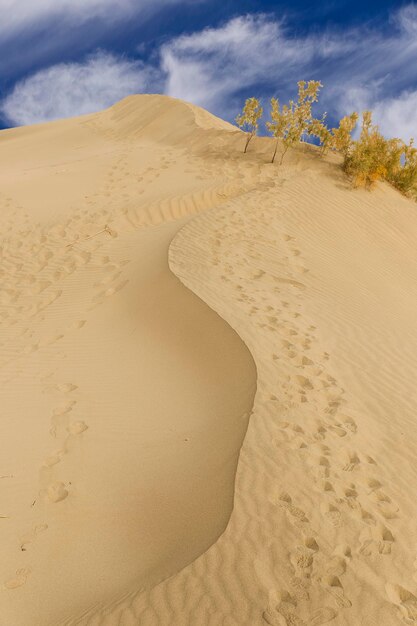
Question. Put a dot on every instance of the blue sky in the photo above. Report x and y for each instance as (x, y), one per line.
(60, 58)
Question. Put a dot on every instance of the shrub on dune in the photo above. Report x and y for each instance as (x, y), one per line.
(292, 122)
(403, 173)
(249, 118)
(366, 160)
(319, 129)
(341, 137)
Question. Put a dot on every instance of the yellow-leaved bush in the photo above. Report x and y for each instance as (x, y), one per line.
(249, 118)
(366, 160)
(403, 173)
(291, 122)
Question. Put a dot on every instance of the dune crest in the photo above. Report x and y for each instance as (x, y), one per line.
(318, 281)
(125, 397)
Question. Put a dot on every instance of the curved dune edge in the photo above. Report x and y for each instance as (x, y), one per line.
(125, 397)
(323, 518)
(318, 281)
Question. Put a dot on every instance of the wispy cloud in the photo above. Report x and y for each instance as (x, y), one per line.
(361, 67)
(406, 18)
(249, 51)
(37, 33)
(17, 15)
(71, 89)
(397, 117)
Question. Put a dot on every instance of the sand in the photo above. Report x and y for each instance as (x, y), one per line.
(154, 279)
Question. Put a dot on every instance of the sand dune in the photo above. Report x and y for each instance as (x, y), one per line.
(126, 393)
(125, 398)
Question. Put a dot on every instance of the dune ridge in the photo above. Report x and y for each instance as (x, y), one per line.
(319, 282)
(116, 379)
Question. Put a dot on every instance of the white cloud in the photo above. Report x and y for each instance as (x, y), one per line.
(397, 117)
(360, 67)
(406, 18)
(209, 66)
(18, 15)
(70, 89)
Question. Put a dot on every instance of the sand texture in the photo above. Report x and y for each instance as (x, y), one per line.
(164, 299)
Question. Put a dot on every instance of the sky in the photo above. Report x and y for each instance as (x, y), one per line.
(62, 58)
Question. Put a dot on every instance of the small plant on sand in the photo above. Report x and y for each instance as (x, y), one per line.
(292, 122)
(281, 127)
(341, 137)
(402, 172)
(249, 118)
(319, 129)
(367, 159)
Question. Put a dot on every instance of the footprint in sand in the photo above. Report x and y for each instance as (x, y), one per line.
(328, 487)
(366, 516)
(283, 614)
(380, 542)
(304, 382)
(287, 608)
(18, 580)
(284, 501)
(348, 423)
(55, 457)
(351, 494)
(108, 279)
(66, 387)
(331, 513)
(352, 462)
(372, 485)
(302, 561)
(404, 600)
(31, 536)
(386, 507)
(76, 428)
(109, 292)
(64, 408)
(31, 348)
(338, 430)
(336, 566)
(320, 432)
(343, 550)
(273, 618)
(324, 467)
(53, 339)
(57, 413)
(77, 325)
(299, 587)
(322, 616)
(56, 492)
(333, 586)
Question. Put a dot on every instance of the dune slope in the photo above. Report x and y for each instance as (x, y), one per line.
(320, 282)
(124, 397)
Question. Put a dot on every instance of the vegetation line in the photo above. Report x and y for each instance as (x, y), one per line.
(366, 160)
